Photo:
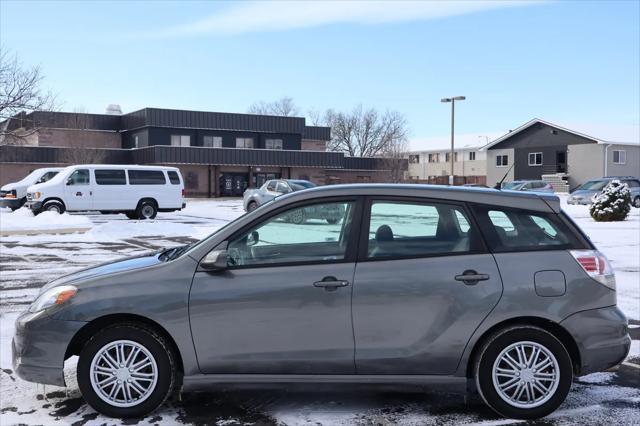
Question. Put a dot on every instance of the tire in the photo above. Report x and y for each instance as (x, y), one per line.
(147, 209)
(131, 215)
(492, 357)
(298, 217)
(333, 220)
(252, 206)
(155, 381)
(636, 202)
(52, 206)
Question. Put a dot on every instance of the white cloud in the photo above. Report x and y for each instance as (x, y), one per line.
(265, 16)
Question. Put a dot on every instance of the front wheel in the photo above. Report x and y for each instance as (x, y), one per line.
(252, 206)
(636, 202)
(126, 370)
(53, 206)
(523, 372)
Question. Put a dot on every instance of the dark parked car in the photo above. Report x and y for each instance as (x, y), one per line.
(413, 284)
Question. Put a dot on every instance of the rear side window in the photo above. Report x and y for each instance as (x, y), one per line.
(507, 230)
(146, 177)
(110, 177)
(407, 229)
(174, 178)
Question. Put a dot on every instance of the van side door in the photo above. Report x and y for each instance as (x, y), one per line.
(78, 190)
(424, 282)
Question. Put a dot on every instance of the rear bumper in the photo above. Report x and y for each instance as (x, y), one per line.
(12, 203)
(602, 336)
(39, 347)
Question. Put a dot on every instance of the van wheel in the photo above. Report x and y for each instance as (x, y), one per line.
(523, 372)
(126, 370)
(53, 206)
(147, 210)
(636, 202)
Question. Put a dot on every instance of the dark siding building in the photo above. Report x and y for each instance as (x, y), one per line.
(219, 154)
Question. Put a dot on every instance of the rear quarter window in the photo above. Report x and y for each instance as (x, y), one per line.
(509, 230)
(146, 177)
(174, 178)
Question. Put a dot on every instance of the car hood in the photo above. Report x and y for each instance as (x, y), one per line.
(121, 265)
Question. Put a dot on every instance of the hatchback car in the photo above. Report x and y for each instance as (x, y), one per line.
(585, 192)
(414, 284)
(529, 185)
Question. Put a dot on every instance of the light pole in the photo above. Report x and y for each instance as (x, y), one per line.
(453, 112)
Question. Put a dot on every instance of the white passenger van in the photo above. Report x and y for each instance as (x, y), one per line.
(138, 191)
(14, 194)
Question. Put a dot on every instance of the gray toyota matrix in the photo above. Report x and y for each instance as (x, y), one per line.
(483, 289)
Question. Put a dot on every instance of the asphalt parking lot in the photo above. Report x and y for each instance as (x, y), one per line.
(29, 262)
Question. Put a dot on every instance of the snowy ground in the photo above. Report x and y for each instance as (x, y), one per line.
(27, 262)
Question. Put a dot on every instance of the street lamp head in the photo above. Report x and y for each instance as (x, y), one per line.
(459, 98)
(445, 100)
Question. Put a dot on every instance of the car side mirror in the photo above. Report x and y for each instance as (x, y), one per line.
(68, 182)
(215, 260)
(253, 239)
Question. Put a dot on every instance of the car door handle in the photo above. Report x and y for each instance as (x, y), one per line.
(78, 194)
(471, 277)
(331, 283)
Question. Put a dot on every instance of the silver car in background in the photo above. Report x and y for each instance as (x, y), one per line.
(254, 198)
(529, 185)
(585, 192)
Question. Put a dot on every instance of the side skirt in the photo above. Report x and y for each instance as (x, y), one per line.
(203, 382)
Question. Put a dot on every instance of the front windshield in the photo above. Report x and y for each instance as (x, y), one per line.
(46, 177)
(512, 185)
(593, 185)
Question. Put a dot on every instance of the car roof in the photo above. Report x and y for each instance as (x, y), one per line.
(509, 199)
(120, 167)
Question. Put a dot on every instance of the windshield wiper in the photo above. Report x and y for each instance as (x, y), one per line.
(173, 253)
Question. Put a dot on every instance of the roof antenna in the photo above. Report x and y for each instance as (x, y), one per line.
(498, 185)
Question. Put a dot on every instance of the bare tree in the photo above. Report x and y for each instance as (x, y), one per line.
(20, 93)
(285, 107)
(366, 132)
(83, 156)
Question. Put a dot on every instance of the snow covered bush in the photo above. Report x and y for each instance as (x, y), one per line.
(612, 204)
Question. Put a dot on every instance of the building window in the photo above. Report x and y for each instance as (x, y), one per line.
(535, 159)
(180, 140)
(502, 160)
(414, 159)
(619, 157)
(212, 141)
(472, 155)
(434, 158)
(273, 143)
(244, 142)
(447, 157)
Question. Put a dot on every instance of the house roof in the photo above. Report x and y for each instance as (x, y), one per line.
(531, 123)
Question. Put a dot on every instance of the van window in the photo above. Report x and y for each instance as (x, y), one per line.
(405, 229)
(79, 177)
(174, 178)
(508, 230)
(47, 176)
(110, 177)
(146, 177)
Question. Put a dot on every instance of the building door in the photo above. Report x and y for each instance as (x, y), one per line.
(240, 183)
(561, 161)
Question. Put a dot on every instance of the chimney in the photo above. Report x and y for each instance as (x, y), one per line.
(113, 109)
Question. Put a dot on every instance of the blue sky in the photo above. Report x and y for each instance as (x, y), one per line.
(574, 63)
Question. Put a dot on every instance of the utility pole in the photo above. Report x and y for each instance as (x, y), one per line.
(453, 120)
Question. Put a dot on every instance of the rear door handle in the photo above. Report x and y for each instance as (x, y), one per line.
(471, 277)
(331, 283)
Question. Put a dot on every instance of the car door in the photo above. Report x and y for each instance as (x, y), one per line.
(78, 191)
(283, 305)
(424, 282)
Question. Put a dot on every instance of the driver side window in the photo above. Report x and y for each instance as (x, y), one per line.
(79, 177)
(313, 233)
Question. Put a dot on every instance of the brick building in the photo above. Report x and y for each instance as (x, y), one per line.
(219, 154)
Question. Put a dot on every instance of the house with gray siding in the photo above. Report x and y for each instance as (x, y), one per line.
(542, 150)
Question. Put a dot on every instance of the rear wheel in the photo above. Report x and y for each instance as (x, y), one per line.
(297, 216)
(126, 370)
(53, 206)
(636, 202)
(147, 209)
(523, 372)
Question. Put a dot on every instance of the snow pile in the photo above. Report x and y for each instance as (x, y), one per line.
(23, 219)
(117, 230)
(612, 204)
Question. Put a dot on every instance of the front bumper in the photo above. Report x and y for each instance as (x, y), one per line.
(39, 347)
(602, 336)
(34, 205)
(12, 203)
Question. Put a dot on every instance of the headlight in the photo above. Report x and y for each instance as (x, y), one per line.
(36, 195)
(53, 297)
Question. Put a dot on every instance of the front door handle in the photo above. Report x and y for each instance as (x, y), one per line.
(78, 194)
(471, 277)
(331, 283)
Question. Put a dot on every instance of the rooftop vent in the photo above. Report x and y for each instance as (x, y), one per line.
(113, 109)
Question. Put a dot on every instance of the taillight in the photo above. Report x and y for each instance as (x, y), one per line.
(182, 192)
(596, 265)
